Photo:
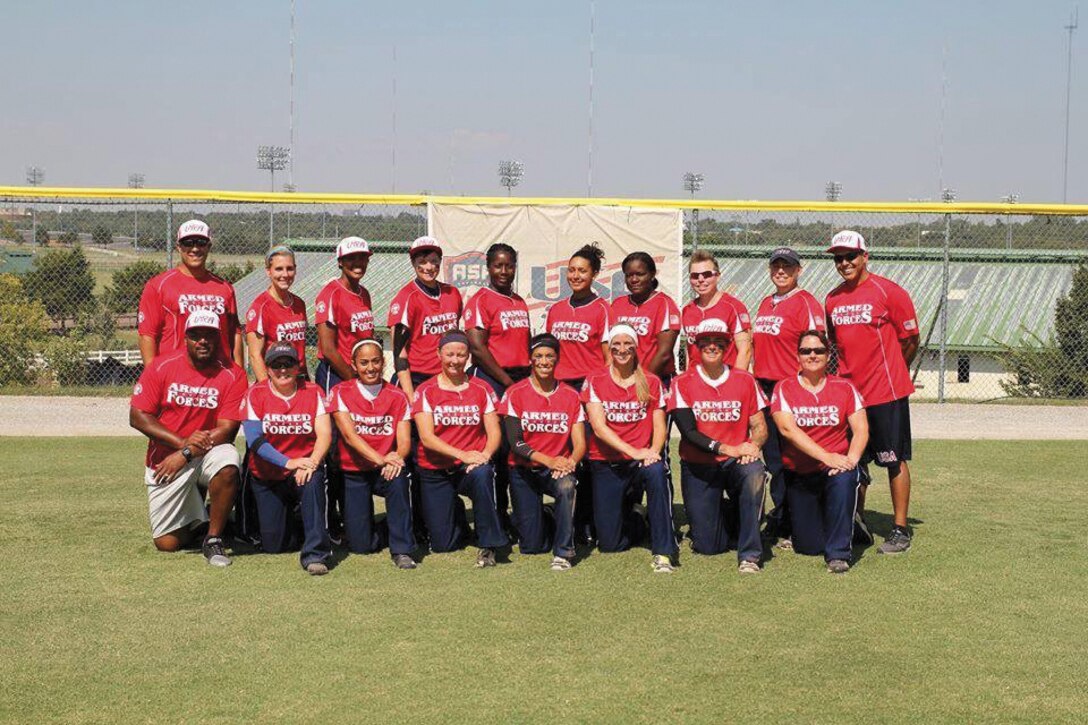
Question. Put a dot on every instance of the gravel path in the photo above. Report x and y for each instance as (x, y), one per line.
(59, 416)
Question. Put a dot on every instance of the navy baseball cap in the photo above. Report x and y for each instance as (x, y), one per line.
(787, 254)
(279, 350)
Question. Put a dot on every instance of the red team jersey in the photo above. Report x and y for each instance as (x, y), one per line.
(276, 322)
(732, 313)
(869, 321)
(631, 420)
(426, 318)
(170, 296)
(506, 319)
(722, 408)
(349, 313)
(288, 424)
(546, 420)
(657, 314)
(374, 417)
(581, 331)
(185, 399)
(458, 418)
(777, 329)
(822, 415)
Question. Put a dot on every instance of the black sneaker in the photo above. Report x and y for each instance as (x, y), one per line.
(862, 535)
(897, 542)
(485, 558)
(215, 552)
(403, 561)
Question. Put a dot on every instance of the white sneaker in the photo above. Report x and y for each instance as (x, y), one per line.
(749, 567)
(662, 564)
(560, 564)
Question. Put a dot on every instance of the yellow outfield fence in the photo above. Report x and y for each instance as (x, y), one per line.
(1001, 290)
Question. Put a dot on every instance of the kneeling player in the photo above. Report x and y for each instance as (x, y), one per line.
(822, 420)
(375, 436)
(458, 434)
(186, 402)
(719, 414)
(544, 425)
(288, 432)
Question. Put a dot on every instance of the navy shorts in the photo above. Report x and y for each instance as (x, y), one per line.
(889, 433)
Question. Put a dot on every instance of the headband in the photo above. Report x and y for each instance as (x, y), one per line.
(452, 336)
(367, 341)
(622, 330)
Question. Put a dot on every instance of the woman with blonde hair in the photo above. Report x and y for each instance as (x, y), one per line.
(626, 410)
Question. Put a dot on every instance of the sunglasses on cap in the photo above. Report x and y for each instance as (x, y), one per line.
(695, 276)
(193, 242)
(812, 351)
(846, 257)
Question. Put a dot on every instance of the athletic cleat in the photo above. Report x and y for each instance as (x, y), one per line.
(403, 561)
(215, 552)
(748, 567)
(897, 542)
(838, 566)
(662, 564)
(316, 568)
(485, 558)
(784, 544)
(862, 535)
(560, 564)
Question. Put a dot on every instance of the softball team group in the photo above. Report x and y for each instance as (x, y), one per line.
(479, 408)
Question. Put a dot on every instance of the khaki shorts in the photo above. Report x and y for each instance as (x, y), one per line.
(179, 504)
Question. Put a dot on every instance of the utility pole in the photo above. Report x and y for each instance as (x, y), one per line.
(272, 159)
(1009, 199)
(948, 196)
(692, 183)
(1068, 85)
(35, 175)
(136, 181)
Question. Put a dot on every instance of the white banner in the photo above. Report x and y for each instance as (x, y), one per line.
(546, 236)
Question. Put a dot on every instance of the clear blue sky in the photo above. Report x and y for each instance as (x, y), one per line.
(768, 100)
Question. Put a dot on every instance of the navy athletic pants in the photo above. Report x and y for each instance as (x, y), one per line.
(327, 378)
(778, 520)
(704, 488)
(363, 536)
(527, 489)
(617, 487)
(438, 492)
(822, 510)
(275, 502)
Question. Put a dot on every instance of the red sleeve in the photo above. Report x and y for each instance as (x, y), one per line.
(901, 312)
(490, 403)
(776, 398)
(232, 307)
(234, 396)
(676, 398)
(147, 394)
(657, 392)
(756, 399)
(400, 408)
(150, 319)
(419, 402)
(817, 313)
(672, 315)
(474, 316)
(460, 302)
(254, 322)
(504, 405)
(854, 402)
(324, 306)
(396, 311)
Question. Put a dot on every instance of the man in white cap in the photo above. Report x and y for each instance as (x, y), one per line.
(171, 296)
(875, 328)
(188, 403)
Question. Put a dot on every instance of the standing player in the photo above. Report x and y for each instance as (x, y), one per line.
(459, 433)
(652, 314)
(187, 403)
(780, 320)
(711, 303)
(276, 315)
(288, 432)
(719, 413)
(497, 324)
(171, 296)
(626, 409)
(422, 311)
(874, 325)
(816, 413)
(375, 435)
(543, 422)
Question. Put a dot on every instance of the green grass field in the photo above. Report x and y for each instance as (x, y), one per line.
(986, 619)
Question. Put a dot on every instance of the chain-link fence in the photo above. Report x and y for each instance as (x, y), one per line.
(1002, 299)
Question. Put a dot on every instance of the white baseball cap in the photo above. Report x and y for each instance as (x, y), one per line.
(847, 239)
(194, 228)
(352, 245)
(712, 328)
(424, 244)
(202, 318)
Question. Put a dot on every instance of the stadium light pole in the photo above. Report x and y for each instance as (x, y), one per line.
(1068, 85)
(35, 175)
(693, 182)
(272, 159)
(832, 192)
(136, 181)
(510, 173)
(1009, 199)
(947, 196)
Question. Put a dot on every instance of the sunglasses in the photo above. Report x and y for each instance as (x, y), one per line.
(695, 276)
(848, 257)
(201, 333)
(199, 242)
(812, 351)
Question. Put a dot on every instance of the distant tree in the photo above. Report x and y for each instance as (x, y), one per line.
(24, 329)
(69, 238)
(41, 236)
(231, 272)
(123, 294)
(9, 232)
(1056, 368)
(62, 281)
(101, 235)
